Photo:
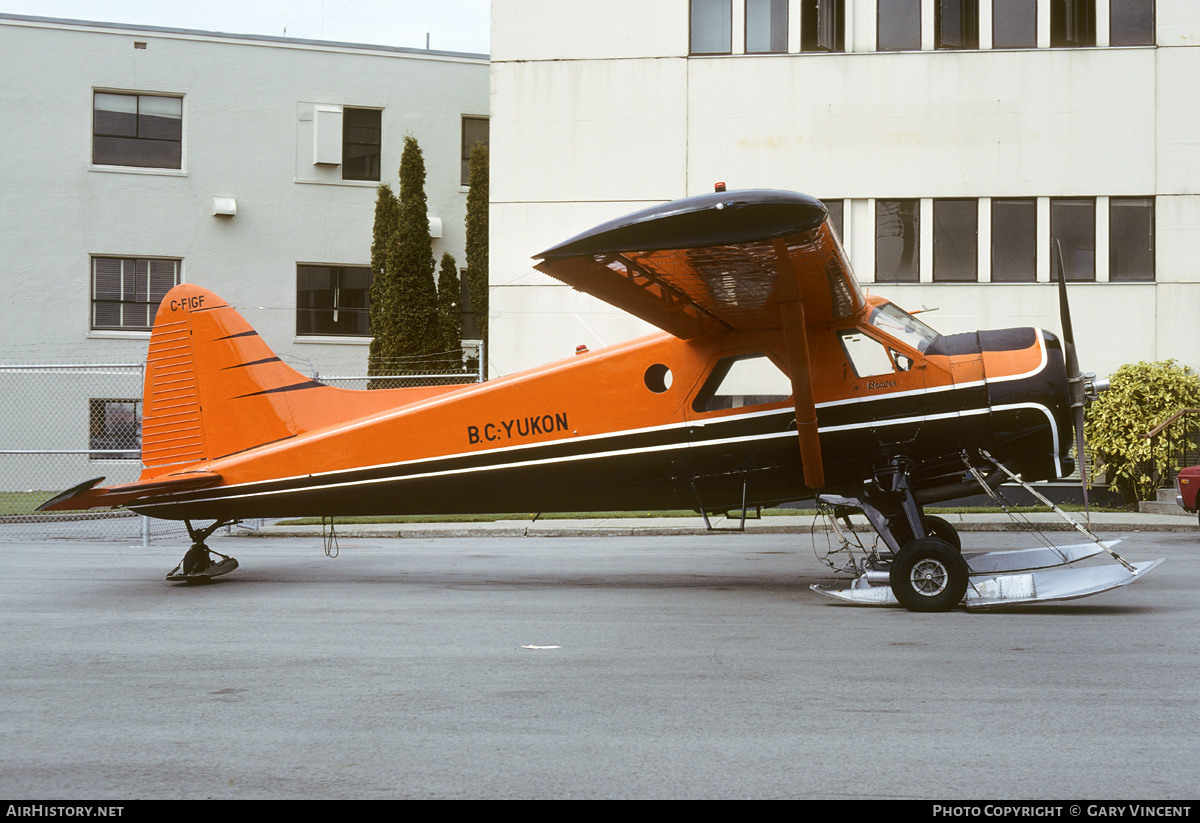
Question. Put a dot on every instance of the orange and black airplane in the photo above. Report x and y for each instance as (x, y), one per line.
(775, 378)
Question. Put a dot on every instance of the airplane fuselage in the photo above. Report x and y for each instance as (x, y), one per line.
(667, 423)
(775, 377)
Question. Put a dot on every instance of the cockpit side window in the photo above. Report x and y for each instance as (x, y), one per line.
(867, 355)
(742, 380)
(902, 326)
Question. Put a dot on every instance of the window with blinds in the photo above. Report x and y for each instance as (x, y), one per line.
(126, 291)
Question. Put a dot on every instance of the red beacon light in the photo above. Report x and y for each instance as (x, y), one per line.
(719, 187)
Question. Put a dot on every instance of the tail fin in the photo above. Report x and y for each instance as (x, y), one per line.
(205, 365)
(214, 388)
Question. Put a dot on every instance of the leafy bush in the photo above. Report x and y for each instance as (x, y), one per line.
(1142, 396)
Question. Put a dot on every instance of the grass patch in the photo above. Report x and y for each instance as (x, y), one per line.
(15, 504)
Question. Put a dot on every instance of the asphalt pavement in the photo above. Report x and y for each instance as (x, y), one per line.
(596, 665)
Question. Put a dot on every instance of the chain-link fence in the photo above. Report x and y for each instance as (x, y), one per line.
(64, 423)
(61, 424)
(439, 369)
(1182, 443)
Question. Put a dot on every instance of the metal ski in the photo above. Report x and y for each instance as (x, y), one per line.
(1035, 575)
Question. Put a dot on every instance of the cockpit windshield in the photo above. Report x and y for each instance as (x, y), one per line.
(902, 326)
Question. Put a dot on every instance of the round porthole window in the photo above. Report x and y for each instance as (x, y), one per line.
(658, 378)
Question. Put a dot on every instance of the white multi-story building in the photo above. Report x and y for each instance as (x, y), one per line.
(962, 146)
(138, 158)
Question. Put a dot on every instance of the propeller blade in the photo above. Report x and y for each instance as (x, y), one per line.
(1064, 308)
(1075, 389)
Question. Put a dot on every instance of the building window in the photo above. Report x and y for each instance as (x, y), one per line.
(1131, 23)
(1014, 24)
(899, 25)
(126, 291)
(115, 429)
(1072, 23)
(766, 26)
(1131, 239)
(836, 209)
(957, 24)
(333, 300)
(1014, 240)
(956, 241)
(823, 25)
(474, 130)
(348, 138)
(140, 130)
(897, 252)
(1073, 237)
(362, 136)
(712, 26)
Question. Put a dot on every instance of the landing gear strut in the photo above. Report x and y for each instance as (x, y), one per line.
(197, 565)
(924, 565)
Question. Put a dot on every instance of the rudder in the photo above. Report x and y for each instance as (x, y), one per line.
(213, 387)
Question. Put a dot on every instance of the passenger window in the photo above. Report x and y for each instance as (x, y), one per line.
(743, 380)
(868, 356)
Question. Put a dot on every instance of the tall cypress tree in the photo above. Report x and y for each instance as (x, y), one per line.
(383, 291)
(477, 238)
(449, 314)
(410, 263)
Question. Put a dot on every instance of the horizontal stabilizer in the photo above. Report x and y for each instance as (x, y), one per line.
(74, 491)
(215, 389)
(86, 496)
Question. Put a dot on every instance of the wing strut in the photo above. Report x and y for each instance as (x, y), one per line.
(795, 339)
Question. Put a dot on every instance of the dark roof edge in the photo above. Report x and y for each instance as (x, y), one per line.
(265, 38)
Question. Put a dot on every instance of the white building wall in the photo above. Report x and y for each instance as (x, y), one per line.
(586, 128)
(247, 134)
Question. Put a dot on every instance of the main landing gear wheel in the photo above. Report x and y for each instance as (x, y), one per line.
(929, 575)
(941, 529)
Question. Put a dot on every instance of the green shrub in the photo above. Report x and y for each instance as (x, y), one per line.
(1142, 396)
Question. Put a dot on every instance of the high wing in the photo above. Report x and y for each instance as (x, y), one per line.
(713, 263)
(755, 259)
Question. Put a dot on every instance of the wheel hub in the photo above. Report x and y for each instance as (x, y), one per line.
(929, 577)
